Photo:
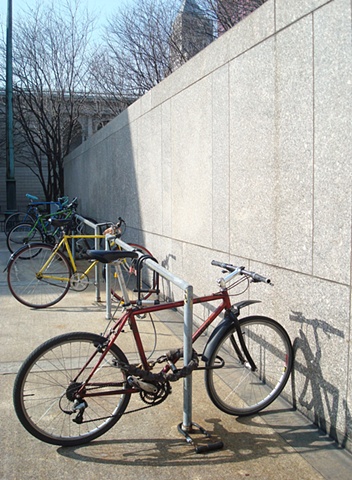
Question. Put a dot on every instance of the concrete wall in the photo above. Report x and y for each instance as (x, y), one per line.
(244, 155)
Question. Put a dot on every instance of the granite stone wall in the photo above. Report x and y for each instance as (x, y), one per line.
(244, 155)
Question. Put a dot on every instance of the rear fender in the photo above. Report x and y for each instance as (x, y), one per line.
(12, 256)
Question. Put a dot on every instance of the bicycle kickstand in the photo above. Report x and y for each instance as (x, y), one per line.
(209, 447)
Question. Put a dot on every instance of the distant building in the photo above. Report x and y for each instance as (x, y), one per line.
(192, 31)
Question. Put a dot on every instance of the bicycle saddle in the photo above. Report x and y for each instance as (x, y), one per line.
(60, 222)
(107, 256)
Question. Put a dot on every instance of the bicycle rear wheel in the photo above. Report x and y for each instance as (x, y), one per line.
(23, 234)
(129, 272)
(235, 388)
(15, 219)
(36, 277)
(46, 384)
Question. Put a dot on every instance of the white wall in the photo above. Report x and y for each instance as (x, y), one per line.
(244, 154)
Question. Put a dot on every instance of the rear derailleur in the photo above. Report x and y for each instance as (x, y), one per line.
(79, 406)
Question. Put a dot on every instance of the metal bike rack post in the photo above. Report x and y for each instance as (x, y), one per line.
(95, 227)
(187, 329)
(108, 314)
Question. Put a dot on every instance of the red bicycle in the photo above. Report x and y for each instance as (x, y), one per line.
(76, 386)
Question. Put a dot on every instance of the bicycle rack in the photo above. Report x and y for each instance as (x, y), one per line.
(155, 283)
(96, 228)
(186, 427)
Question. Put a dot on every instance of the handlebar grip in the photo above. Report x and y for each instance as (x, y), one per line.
(218, 264)
(214, 262)
(210, 447)
(259, 278)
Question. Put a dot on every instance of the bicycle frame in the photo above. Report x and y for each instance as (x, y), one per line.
(130, 317)
(65, 242)
(41, 221)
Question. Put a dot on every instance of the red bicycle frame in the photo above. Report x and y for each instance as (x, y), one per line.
(130, 317)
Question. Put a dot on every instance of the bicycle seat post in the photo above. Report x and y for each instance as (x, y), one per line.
(122, 283)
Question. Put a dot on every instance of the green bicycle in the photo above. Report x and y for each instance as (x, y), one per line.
(40, 229)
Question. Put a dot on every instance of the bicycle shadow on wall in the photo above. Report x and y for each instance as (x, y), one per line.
(165, 285)
(310, 390)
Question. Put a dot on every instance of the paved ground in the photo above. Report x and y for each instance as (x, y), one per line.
(279, 443)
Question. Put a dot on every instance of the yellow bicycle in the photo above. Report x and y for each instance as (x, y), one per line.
(40, 275)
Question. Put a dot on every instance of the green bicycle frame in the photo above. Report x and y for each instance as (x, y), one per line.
(41, 221)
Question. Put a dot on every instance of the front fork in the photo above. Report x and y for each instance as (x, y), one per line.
(231, 319)
(244, 355)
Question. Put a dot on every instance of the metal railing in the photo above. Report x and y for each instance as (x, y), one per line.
(98, 237)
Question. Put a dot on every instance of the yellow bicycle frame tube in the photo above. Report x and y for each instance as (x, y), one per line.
(64, 241)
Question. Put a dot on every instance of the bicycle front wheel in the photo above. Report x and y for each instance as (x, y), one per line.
(37, 277)
(46, 385)
(235, 388)
(23, 234)
(129, 272)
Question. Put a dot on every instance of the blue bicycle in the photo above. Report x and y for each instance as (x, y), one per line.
(35, 208)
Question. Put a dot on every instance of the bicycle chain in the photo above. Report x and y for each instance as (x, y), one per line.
(162, 377)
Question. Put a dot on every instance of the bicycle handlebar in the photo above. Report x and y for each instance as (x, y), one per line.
(116, 229)
(239, 271)
(60, 202)
(73, 204)
(31, 197)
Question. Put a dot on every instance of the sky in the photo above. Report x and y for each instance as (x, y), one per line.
(102, 9)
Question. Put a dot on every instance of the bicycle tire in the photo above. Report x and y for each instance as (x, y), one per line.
(23, 234)
(44, 386)
(15, 219)
(32, 289)
(236, 389)
(128, 268)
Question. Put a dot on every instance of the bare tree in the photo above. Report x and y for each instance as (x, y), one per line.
(51, 75)
(227, 13)
(55, 68)
(143, 40)
(136, 55)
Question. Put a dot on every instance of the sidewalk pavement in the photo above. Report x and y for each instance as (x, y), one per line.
(278, 443)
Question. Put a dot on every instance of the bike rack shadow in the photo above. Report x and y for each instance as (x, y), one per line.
(165, 452)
